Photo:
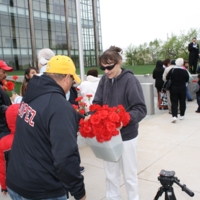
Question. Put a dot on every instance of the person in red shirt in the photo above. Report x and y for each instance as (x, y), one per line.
(6, 143)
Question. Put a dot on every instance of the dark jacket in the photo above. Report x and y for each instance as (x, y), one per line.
(126, 90)
(73, 95)
(179, 78)
(193, 52)
(4, 103)
(158, 76)
(44, 158)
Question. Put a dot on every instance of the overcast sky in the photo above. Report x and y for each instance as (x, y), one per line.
(137, 21)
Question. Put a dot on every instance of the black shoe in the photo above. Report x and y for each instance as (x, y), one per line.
(82, 169)
(190, 99)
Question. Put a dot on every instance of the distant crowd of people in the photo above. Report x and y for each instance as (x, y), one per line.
(178, 72)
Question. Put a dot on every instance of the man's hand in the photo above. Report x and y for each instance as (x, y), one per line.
(87, 117)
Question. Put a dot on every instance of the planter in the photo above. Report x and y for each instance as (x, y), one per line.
(108, 151)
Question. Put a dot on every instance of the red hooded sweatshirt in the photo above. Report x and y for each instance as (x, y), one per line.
(6, 143)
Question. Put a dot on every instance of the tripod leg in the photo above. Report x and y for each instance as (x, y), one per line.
(169, 194)
(159, 193)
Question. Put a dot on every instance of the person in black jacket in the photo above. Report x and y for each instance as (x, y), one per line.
(4, 99)
(179, 77)
(193, 49)
(44, 161)
(158, 76)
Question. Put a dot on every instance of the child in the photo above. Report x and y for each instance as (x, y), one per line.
(6, 143)
(198, 95)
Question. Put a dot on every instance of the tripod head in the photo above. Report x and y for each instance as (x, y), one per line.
(167, 179)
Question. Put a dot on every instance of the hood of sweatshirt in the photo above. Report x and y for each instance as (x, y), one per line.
(11, 117)
(92, 78)
(40, 85)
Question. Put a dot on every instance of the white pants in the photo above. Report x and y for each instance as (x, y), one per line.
(128, 165)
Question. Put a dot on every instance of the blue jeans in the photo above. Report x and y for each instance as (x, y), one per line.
(15, 196)
(198, 102)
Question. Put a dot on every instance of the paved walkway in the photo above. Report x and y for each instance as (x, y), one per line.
(161, 145)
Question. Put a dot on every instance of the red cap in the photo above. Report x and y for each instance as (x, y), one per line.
(4, 66)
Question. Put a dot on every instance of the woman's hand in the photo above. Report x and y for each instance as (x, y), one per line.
(14, 95)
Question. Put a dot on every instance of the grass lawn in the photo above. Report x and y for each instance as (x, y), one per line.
(140, 69)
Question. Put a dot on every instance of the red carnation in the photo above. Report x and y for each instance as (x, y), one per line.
(114, 117)
(89, 95)
(78, 99)
(10, 85)
(15, 78)
(77, 89)
(94, 107)
(82, 111)
(95, 119)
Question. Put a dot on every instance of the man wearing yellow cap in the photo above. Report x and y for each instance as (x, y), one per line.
(44, 161)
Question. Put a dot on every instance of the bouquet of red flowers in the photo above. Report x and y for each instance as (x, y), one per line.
(104, 122)
(9, 85)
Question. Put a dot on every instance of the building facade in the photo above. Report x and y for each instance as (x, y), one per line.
(26, 26)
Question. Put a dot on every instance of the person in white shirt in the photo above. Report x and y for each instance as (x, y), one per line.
(89, 86)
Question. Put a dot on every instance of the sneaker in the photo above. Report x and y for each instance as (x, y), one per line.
(181, 117)
(174, 119)
(197, 111)
(82, 169)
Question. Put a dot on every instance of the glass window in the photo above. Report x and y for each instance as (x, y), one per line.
(38, 34)
(4, 20)
(4, 8)
(37, 24)
(43, 7)
(13, 10)
(5, 31)
(7, 51)
(21, 11)
(23, 32)
(38, 43)
(45, 43)
(20, 3)
(7, 42)
(23, 42)
(36, 5)
(36, 14)
(21, 22)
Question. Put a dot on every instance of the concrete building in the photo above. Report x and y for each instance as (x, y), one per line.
(26, 26)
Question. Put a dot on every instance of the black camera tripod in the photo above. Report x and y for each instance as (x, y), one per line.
(167, 179)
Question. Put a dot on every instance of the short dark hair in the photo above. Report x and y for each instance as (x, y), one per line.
(92, 72)
(194, 38)
(166, 61)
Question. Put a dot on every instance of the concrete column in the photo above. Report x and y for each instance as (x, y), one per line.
(149, 97)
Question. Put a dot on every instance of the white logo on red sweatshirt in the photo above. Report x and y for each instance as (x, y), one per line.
(29, 113)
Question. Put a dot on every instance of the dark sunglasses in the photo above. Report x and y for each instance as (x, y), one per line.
(108, 67)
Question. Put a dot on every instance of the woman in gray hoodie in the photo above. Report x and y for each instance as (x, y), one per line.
(120, 86)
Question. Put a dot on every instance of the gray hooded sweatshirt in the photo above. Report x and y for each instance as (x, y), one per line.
(126, 90)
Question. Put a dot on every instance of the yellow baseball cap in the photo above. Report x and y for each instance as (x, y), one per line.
(62, 65)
